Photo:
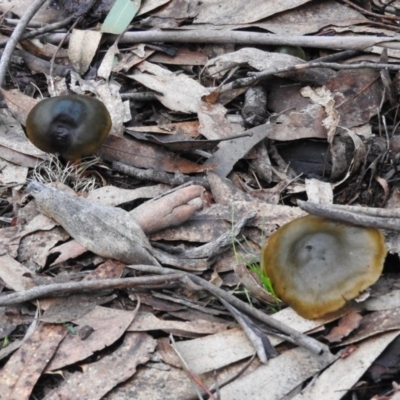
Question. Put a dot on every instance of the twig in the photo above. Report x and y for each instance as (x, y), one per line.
(58, 289)
(15, 37)
(157, 175)
(292, 335)
(257, 76)
(255, 38)
(371, 211)
(259, 339)
(355, 218)
(47, 28)
(341, 55)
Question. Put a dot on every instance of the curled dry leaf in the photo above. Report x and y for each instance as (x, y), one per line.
(170, 210)
(107, 231)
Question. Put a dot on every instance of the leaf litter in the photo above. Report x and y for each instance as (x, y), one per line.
(85, 276)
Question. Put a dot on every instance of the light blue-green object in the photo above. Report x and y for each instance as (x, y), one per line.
(120, 16)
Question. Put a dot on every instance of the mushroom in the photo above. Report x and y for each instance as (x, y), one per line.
(316, 264)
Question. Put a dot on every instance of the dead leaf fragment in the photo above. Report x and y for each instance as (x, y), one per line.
(146, 155)
(147, 322)
(347, 324)
(100, 377)
(25, 367)
(82, 56)
(345, 372)
(108, 326)
(279, 377)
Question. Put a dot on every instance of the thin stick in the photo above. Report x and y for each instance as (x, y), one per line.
(57, 289)
(255, 38)
(256, 76)
(15, 37)
(355, 218)
(47, 28)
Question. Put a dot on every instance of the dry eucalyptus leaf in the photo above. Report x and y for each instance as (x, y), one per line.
(106, 231)
(346, 372)
(73, 307)
(108, 324)
(312, 17)
(82, 56)
(102, 375)
(26, 365)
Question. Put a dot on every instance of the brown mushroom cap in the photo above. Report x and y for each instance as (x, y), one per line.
(316, 264)
(74, 126)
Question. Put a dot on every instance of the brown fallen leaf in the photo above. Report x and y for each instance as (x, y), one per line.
(342, 375)
(249, 281)
(357, 94)
(108, 324)
(25, 367)
(346, 325)
(375, 323)
(66, 251)
(59, 310)
(148, 322)
(19, 104)
(100, 377)
(146, 155)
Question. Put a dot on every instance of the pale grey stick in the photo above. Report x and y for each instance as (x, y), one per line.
(58, 289)
(355, 218)
(260, 38)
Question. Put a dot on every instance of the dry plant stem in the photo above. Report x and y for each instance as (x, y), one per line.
(256, 76)
(15, 37)
(341, 55)
(189, 304)
(158, 176)
(47, 28)
(355, 218)
(52, 61)
(291, 335)
(58, 289)
(38, 64)
(251, 38)
(373, 212)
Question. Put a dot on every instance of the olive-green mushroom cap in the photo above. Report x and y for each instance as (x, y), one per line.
(73, 126)
(316, 265)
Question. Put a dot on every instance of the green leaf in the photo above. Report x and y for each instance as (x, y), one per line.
(120, 16)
